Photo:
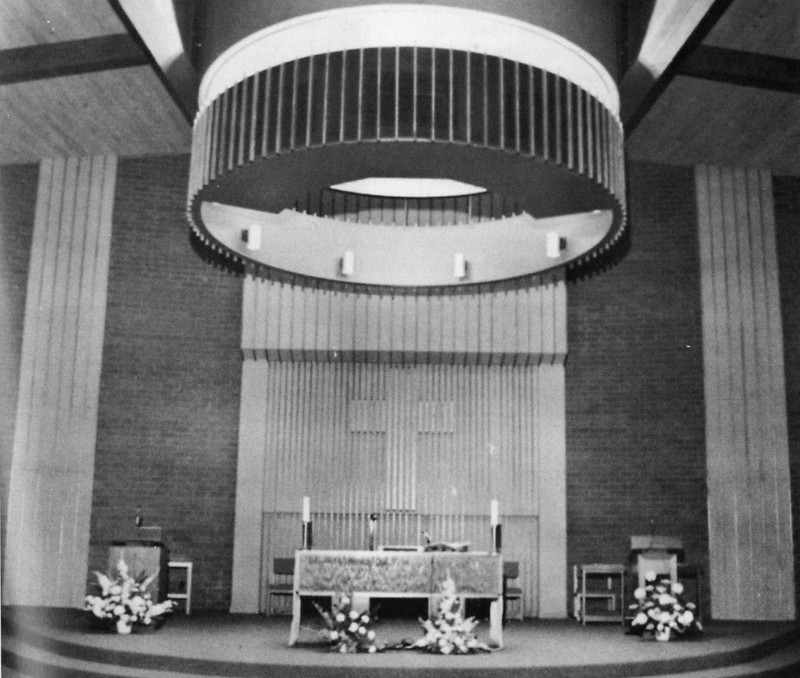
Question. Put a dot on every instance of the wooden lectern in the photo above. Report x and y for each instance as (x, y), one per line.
(144, 557)
(654, 553)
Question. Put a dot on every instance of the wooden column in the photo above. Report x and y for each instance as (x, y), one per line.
(250, 479)
(52, 467)
(749, 502)
(551, 454)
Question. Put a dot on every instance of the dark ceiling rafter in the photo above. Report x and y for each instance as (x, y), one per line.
(70, 57)
(636, 107)
(743, 68)
(151, 60)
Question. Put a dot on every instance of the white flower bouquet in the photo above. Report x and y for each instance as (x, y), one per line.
(449, 632)
(123, 601)
(348, 630)
(661, 611)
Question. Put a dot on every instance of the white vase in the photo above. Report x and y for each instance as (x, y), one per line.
(663, 634)
(124, 627)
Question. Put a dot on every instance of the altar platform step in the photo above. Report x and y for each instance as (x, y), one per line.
(62, 644)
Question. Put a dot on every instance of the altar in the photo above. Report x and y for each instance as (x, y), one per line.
(398, 574)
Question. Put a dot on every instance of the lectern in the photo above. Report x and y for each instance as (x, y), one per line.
(658, 554)
(144, 557)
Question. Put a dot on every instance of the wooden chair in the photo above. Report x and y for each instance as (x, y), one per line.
(511, 593)
(279, 586)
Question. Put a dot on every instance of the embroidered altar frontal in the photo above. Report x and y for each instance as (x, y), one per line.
(398, 573)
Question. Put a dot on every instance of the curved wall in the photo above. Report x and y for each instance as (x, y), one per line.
(592, 26)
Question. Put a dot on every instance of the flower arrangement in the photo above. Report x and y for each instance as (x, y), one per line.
(449, 632)
(348, 630)
(661, 611)
(123, 601)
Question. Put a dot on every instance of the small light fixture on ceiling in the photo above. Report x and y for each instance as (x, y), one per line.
(555, 243)
(348, 263)
(252, 237)
(459, 266)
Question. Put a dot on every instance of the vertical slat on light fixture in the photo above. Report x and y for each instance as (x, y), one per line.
(232, 128)
(517, 107)
(396, 92)
(279, 107)
(256, 92)
(360, 88)
(265, 110)
(415, 90)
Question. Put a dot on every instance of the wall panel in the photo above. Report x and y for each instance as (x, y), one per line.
(426, 447)
(750, 527)
(419, 409)
(52, 467)
(505, 327)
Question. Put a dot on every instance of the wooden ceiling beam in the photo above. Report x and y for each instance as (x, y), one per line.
(156, 26)
(70, 57)
(673, 34)
(743, 68)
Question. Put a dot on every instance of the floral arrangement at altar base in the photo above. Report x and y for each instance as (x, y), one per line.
(123, 601)
(348, 630)
(661, 611)
(449, 632)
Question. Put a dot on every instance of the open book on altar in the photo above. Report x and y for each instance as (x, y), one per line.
(451, 546)
(434, 546)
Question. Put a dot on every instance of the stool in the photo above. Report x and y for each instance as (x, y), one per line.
(613, 595)
(186, 593)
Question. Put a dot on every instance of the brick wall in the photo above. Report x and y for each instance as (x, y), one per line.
(168, 415)
(169, 391)
(635, 402)
(787, 217)
(17, 206)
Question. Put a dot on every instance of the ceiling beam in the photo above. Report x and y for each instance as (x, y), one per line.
(743, 68)
(676, 29)
(156, 26)
(70, 57)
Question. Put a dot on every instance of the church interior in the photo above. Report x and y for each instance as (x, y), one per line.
(501, 280)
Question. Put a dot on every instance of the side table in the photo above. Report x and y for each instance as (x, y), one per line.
(602, 582)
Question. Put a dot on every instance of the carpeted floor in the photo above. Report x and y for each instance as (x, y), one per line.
(250, 645)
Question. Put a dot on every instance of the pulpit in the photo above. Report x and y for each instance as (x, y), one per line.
(665, 556)
(144, 557)
(658, 554)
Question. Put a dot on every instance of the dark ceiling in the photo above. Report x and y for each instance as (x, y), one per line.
(705, 81)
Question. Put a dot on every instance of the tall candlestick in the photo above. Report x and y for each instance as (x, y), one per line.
(495, 513)
(306, 509)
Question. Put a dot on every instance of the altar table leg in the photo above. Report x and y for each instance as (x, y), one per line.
(360, 602)
(295, 629)
(496, 623)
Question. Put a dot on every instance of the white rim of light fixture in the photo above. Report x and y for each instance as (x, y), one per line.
(419, 26)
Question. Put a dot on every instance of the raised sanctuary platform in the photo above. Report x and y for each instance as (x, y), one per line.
(62, 642)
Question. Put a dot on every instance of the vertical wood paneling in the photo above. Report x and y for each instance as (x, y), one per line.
(420, 409)
(503, 327)
(427, 447)
(750, 535)
(251, 483)
(52, 463)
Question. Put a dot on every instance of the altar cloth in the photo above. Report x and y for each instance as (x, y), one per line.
(399, 574)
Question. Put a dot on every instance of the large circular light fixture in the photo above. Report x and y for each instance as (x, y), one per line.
(294, 114)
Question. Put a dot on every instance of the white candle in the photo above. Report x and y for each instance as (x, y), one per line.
(495, 512)
(306, 509)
